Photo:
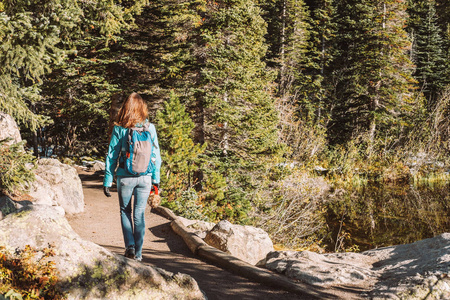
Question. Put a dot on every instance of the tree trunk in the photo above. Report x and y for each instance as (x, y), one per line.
(35, 144)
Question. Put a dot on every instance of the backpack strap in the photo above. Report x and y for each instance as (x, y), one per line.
(147, 128)
(128, 138)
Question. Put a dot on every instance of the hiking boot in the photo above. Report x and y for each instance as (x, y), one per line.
(129, 253)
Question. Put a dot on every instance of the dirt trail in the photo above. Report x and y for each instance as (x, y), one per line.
(100, 223)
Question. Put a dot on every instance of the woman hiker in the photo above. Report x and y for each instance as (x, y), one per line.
(133, 113)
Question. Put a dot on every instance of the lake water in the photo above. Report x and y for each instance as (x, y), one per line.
(379, 215)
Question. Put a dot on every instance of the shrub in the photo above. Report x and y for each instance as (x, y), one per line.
(187, 206)
(29, 274)
(291, 211)
(14, 172)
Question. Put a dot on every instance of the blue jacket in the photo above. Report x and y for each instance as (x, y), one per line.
(118, 141)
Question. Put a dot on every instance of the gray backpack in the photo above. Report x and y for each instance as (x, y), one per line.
(139, 151)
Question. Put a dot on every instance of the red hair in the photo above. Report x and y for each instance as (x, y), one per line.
(133, 111)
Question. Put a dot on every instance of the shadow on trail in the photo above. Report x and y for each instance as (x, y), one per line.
(89, 176)
(94, 181)
(173, 241)
(210, 278)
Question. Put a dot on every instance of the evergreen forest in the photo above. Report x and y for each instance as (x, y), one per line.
(262, 107)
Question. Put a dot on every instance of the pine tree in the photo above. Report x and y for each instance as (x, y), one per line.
(299, 48)
(288, 27)
(294, 47)
(30, 36)
(180, 155)
(443, 13)
(239, 115)
(321, 36)
(15, 171)
(182, 55)
(371, 69)
(239, 119)
(427, 53)
(181, 21)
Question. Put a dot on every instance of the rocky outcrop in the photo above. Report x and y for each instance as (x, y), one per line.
(322, 269)
(57, 184)
(231, 263)
(9, 129)
(248, 243)
(98, 166)
(86, 270)
(412, 271)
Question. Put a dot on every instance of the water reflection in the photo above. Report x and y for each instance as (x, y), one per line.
(380, 215)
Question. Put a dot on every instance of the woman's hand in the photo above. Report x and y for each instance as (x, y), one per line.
(106, 191)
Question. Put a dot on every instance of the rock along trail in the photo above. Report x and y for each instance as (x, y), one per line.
(100, 223)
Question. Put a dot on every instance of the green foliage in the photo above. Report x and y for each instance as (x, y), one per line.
(30, 44)
(180, 154)
(222, 199)
(77, 94)
(15, 169)
(239, 120)
(314, 106)
(29, 274)
(182, 20)
(36, 37)
(187, 205)
(293, 57)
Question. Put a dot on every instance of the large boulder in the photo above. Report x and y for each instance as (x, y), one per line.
(9, 129)
(57, 184)
(412, 271)
(248, 243)
(86, 270)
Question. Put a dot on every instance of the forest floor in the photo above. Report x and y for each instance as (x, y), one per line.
(100, 223)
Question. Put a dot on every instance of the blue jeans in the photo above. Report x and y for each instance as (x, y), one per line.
(140, 187)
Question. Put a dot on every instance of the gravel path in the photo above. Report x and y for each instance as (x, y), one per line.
(100, 224)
